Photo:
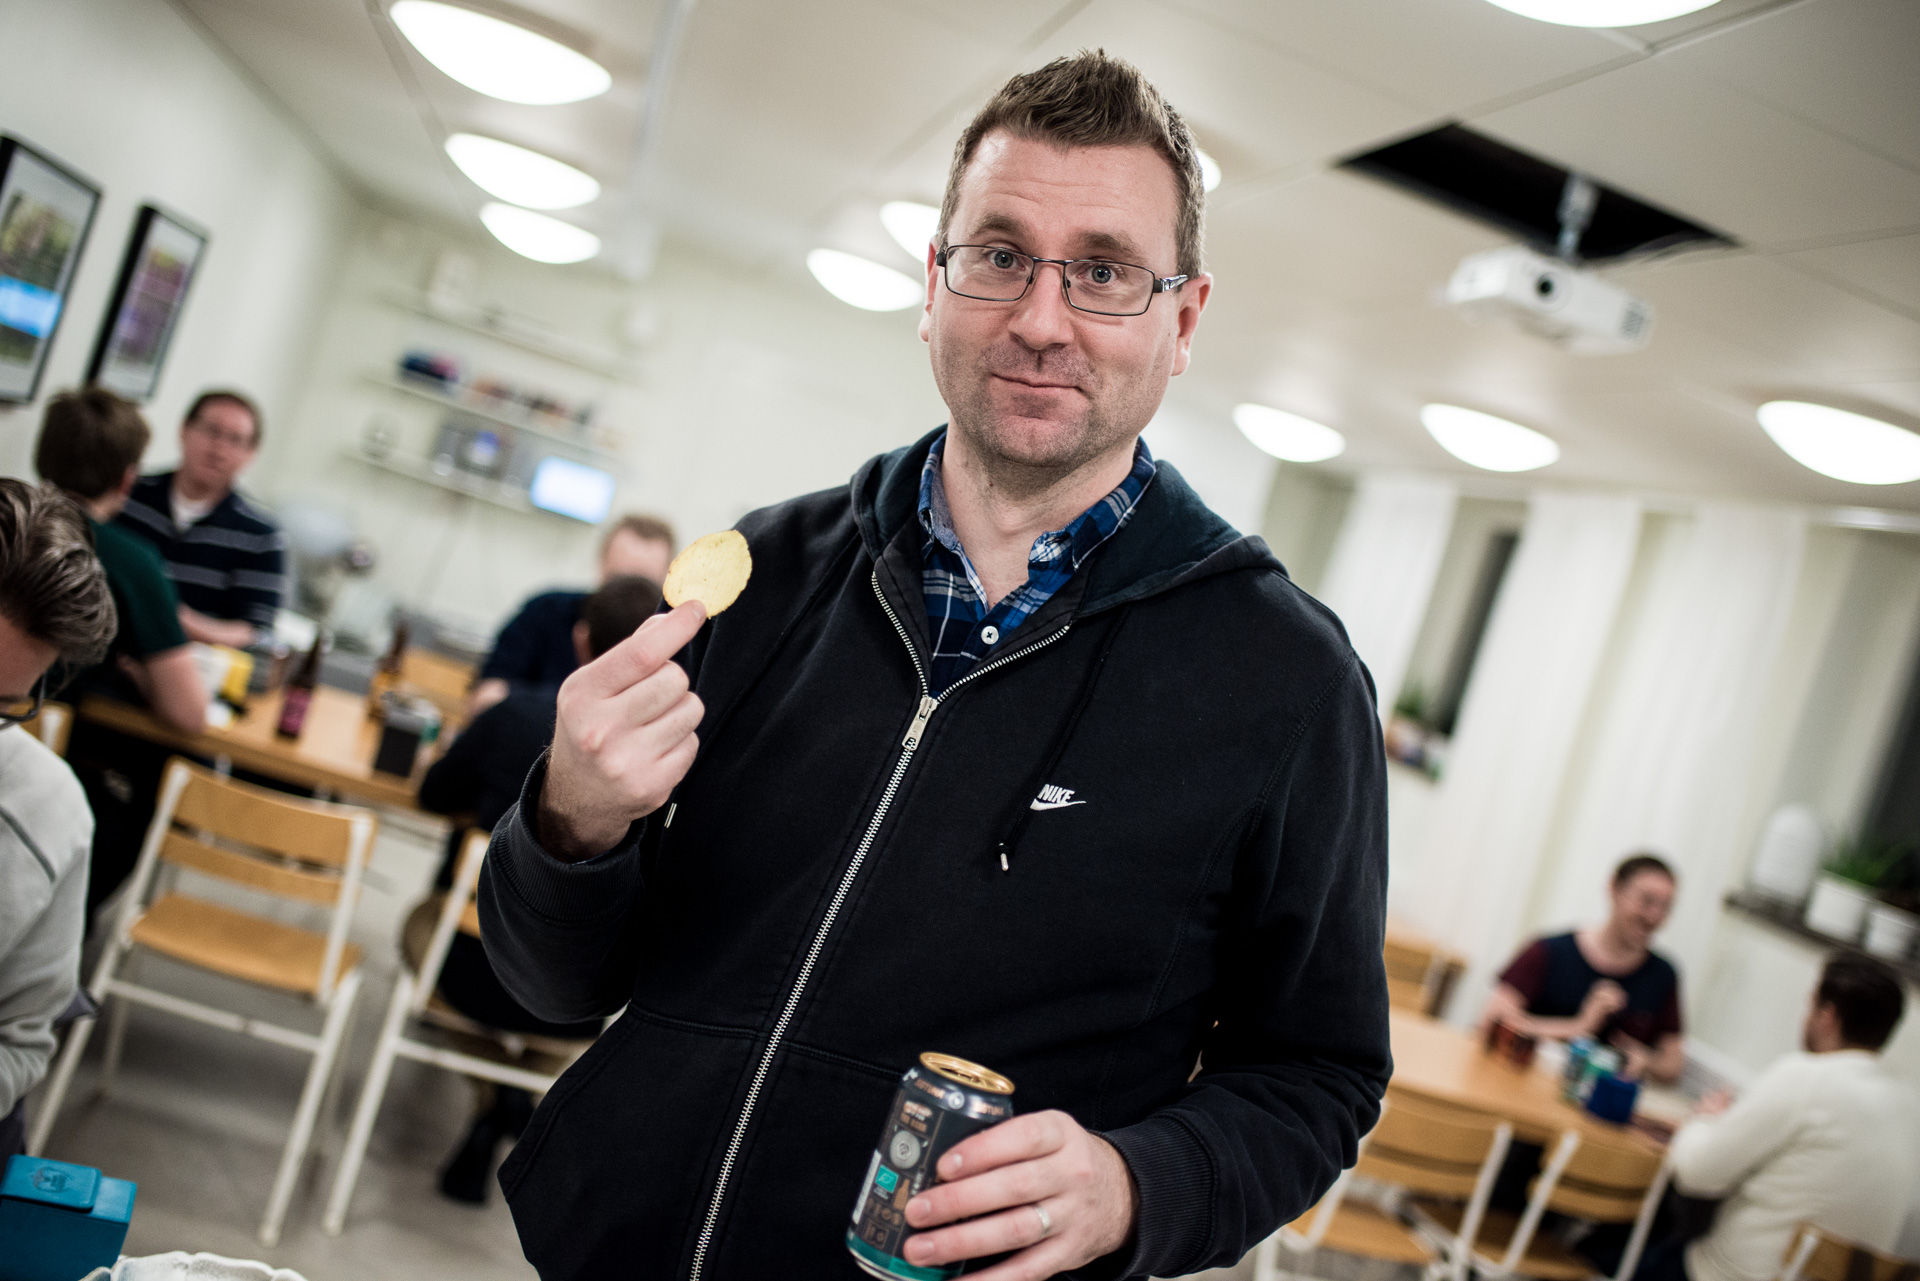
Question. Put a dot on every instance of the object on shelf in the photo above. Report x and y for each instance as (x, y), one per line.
(1890, 932)
(540, 410)
(1791, 849)
(60, 1221)
(379, 436)
(435, 368)
(1838, 908)
(469, 445)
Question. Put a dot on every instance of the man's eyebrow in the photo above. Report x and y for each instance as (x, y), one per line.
(1109, 244)
(1005, 224)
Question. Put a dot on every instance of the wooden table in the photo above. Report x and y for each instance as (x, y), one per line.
(1438, 1061)
(334, 752)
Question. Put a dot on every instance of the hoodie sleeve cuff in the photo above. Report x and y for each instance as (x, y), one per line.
(572, 893)
(1175, 1177)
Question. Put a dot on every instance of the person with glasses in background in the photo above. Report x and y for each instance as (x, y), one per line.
(225, 555)
(55, 607)
(1011, 750)
(90, 446)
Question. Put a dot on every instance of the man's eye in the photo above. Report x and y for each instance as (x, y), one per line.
(1002, 259)
(1100, 274)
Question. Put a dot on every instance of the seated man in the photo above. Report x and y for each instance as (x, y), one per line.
(54, 605)
(1828, 1137)
(226, 557)
(90, 446)
(1606, 983)
(480, 778)
(536, 645)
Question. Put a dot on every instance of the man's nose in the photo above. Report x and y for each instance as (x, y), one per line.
(1042, 317)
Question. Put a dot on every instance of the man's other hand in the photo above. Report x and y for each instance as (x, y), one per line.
(623, 738)
(1063, 1198)
(1604, 1000)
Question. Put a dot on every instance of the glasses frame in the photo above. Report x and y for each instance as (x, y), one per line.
(1161, 284)
(39, 700)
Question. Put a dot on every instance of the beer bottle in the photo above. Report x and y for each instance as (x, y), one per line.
(299, 692)
(387, 675)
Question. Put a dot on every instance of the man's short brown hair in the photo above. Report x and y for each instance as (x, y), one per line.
(616, 611)
(1092, 100)
(1634, 864)
(51, 584)
(649, 529)
(224, 395)
(1866, 996)
(88, 439)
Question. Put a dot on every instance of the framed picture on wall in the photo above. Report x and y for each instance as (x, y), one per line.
(162, 257)
(46, 211)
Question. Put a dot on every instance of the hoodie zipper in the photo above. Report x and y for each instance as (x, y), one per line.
(908, 745)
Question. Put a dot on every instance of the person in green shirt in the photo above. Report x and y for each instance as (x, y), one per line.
(90, 446)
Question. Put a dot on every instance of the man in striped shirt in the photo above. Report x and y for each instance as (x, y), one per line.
(226, 557)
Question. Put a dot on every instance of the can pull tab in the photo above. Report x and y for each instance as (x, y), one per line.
(920, 719)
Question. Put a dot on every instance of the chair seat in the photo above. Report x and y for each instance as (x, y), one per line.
(237, 944)
(1370, 1232)
(543, 1053)
(1545, 1258)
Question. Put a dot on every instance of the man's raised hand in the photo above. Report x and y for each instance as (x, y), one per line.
(622, 740)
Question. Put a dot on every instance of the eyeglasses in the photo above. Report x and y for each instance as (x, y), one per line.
(992, 273)
(231, 439)
(15, 708)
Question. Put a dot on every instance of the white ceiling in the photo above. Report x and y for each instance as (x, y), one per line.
(1793, 125)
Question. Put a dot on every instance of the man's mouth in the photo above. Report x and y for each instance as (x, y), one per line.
(1036, 384)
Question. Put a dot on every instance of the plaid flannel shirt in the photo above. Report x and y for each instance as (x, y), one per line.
(962, 630)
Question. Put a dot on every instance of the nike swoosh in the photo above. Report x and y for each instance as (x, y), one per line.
(1053, 805)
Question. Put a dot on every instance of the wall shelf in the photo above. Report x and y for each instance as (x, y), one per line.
(506, 328)
(457, 482)
(422, 390)
(1787, 919)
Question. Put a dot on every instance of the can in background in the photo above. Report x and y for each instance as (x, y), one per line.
(940, 1101)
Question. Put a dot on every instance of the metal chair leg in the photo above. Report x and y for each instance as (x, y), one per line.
(338, 1011)
(77, 1037)
(371, 1093)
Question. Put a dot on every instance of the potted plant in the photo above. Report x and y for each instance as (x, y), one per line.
(1846, 888)
(1407, 727)
(1894, 923)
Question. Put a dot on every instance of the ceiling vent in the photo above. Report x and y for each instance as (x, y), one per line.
(1528, 197)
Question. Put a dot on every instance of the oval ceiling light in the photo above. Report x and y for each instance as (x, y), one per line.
(1209, 170)
(498, 58)
(911, 224)
(536, 236)
(520, 176)
(1492, 444)
(1288, 436)
(864, 282)
(1603, 13)
(1850, 447)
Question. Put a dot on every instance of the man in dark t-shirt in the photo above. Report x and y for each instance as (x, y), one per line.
(1606, 983)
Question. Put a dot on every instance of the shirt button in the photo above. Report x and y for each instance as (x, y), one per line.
(989, 635)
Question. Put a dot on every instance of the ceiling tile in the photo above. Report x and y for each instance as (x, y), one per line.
(1887, 271)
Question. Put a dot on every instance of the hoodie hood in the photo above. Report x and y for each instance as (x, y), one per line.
(1172, 537)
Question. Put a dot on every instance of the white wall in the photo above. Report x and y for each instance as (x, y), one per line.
(129, 94)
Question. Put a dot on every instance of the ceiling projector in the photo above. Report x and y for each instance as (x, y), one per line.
(1552, 298)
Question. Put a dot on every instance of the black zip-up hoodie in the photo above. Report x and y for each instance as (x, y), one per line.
(826, 898)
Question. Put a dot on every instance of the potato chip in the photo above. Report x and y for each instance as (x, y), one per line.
(712, 570)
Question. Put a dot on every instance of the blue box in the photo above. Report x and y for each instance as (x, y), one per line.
(60, 1221)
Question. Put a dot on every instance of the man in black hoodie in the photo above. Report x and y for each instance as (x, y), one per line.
(1011, 749)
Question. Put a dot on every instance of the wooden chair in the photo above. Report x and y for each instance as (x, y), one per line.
(1423, 1148)
(305, 851)
(440, 680)
(417, 1025)
(53, 726)
(1601, 1180)
(1416, 975)
(1814, 1255)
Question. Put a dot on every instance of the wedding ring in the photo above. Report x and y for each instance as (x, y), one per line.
(1046, 1224)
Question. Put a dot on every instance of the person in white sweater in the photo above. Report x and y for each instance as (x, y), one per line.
(54, 606)
(1827, 1137)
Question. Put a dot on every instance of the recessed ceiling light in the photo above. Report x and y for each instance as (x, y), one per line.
(1603, 13)
(1209, 170)
(498, 58)
(536, 236)
(1850, 447)
(520, 176)
(911, 224)
(1288, 436)
(864, 282)
(1493, 444)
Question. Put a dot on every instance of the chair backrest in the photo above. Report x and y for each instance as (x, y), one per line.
(459, 914)
(1431, 1148)
(1606, 1180)
(53, 726)
(1415, 973)
(309, 851)
(440, 680)
(1818, 1256)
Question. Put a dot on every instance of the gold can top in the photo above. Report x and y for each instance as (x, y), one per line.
(970, 1074)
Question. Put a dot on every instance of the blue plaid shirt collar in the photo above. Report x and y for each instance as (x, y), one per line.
(962, 631)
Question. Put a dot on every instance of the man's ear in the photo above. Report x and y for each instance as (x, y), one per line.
(125, 486)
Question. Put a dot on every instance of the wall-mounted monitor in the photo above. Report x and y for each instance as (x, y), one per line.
(162, 256)
(567, 488)
(45, 213)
